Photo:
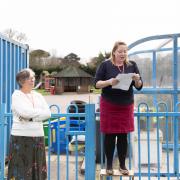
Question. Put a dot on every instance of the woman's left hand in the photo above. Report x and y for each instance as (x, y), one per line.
(136, 77)
(137, 80)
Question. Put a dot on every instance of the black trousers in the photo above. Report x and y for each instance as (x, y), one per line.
(109, 146)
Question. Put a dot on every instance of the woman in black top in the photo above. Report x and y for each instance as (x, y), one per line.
(117, 105)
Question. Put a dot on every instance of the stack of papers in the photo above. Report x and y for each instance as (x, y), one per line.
(124, 81)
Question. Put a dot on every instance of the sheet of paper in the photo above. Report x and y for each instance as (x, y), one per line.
(124, 81)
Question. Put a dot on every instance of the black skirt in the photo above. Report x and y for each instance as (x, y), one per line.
(27, 158)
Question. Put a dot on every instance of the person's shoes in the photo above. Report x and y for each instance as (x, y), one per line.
(109, 171)
(123, 170)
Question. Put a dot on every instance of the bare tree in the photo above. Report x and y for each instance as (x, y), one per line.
(15, 35)
(10, 33)
(21, 37)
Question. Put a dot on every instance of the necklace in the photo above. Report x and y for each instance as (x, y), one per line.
(121, 68)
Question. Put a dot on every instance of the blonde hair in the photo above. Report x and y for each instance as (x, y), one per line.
(116, 45)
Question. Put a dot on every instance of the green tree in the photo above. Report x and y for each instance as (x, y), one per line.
(39, 53)
(37, 59)
(72, 57)
(71, 60)
(96, 61)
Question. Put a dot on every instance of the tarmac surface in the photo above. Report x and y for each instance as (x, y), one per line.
(64, 100)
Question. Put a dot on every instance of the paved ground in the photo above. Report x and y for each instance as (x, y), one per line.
(64, 100)
(62, 168)
(72, 173)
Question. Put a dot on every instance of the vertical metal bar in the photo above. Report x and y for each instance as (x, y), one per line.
(102, 150)
(130, 149)
(1, 71)
(76, 156)
(90, 142)
(177, 142)
(8, 91)
(139, 146)
(20, 58)
(167, 145)
(148, 145)
(4, 66)
(158, 149)
(67, 149)
(9, 64)
(58, 134)
(2, 140)
(5, 81)
(49, 149)
(27, 56)
(154, 74)
(13, 74)
(23, 58)
(67, 142)
(17, 61)
(175, 100)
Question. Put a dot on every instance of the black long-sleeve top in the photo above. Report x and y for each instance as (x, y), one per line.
(106, 71)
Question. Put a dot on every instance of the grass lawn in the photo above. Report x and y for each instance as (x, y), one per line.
(96, 91)
(43, 92)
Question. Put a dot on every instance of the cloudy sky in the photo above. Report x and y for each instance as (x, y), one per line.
(87, 27)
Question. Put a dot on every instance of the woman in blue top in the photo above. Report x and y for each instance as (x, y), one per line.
(117, 105)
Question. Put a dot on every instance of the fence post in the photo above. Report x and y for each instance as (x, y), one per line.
(90, 142)
(2, 141)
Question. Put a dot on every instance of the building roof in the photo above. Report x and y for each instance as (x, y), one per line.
(72, 71)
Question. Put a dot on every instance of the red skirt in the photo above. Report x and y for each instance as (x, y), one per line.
(116, 118)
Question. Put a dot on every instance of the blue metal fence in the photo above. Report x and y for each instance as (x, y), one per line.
(162, 166)
(13, 57)
(146, 156)
(89, 133)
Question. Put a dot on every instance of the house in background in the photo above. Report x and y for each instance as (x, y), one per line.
(72, 79)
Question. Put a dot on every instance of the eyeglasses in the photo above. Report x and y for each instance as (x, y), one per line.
(31, 78)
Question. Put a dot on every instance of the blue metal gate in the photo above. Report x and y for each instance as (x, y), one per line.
(169, 43)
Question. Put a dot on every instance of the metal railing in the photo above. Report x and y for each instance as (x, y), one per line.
(145, 155)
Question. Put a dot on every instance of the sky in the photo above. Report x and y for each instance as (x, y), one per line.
(87, 27)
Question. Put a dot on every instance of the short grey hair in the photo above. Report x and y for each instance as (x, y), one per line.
(23, 75)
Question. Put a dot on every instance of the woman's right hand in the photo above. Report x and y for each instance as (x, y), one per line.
(109, 82)
(113, 81)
